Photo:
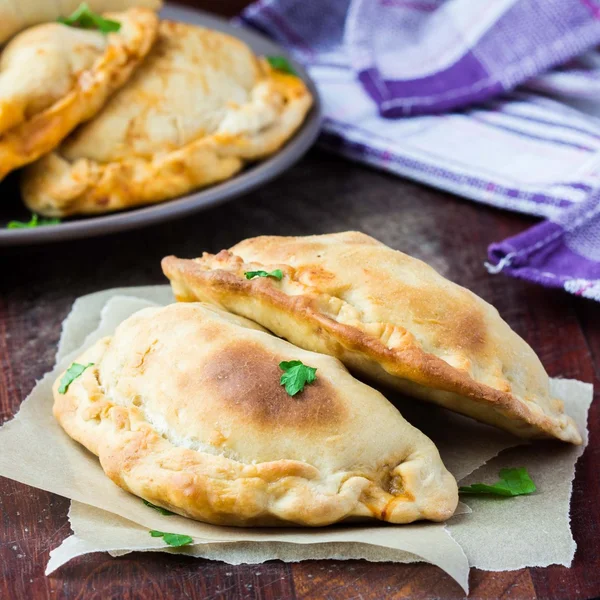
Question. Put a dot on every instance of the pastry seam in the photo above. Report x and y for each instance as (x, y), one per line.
(354, 337)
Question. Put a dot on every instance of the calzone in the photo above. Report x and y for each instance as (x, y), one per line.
(16, 15)
(185, 408)
(54, 77)
(200, 107)
(387, 316)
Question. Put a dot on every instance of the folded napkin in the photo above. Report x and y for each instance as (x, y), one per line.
(452, 67)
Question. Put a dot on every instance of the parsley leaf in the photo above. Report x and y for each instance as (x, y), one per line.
(72, 373)
(84, 18)
(160, 509)
(35, 221)
(276, 274)
(513, 482)
(296, 376)
(279, 63)
(173, 539)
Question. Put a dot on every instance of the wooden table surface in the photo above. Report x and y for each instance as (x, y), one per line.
(321, 194)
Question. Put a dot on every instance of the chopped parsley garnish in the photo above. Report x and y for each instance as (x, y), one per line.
(35, 221)
(85, 18)
(296, 375)
(282, 64)
(513, 482)
(160, 509)
(173, 539)
(72, 373)
(276, 274)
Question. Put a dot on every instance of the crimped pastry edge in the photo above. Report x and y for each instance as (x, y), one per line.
(55, 186)
(189, 482)
(424, 372)
(38, 135)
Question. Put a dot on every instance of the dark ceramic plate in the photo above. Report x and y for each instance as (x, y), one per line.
(252, 177)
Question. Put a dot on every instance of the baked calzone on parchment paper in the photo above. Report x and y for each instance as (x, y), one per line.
(388, 316)
(199, 107)
(184, 407)
(54, 77)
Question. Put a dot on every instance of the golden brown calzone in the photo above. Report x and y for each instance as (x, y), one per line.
(184, 407)
(200, 107)
(16, 15)
(54, 77)
(388, 316)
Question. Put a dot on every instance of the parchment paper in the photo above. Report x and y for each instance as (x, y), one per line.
(35, 450)
(532, 531)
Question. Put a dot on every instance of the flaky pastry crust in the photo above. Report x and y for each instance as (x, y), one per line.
(199, 108)
(184, 408)
(54, 77)
(388, 316)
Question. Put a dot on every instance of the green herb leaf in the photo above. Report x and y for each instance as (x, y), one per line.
(281, 64)
(173, 539)
(513, 482)
(35, 221)
(72, 373)
(276, 274)
(84, 18)
(160, 509)
(296, 376)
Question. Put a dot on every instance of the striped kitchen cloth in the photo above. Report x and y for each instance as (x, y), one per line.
(493, 101)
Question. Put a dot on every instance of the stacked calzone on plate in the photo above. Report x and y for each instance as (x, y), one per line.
(117, 110)
(195, 112)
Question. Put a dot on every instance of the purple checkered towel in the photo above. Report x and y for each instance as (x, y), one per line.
(453, 67)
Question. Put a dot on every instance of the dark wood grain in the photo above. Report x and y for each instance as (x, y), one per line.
(321, 194)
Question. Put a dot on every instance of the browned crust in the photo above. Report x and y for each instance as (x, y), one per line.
(409, 362)
(220, 490)
(38, 135)
(57, 186)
